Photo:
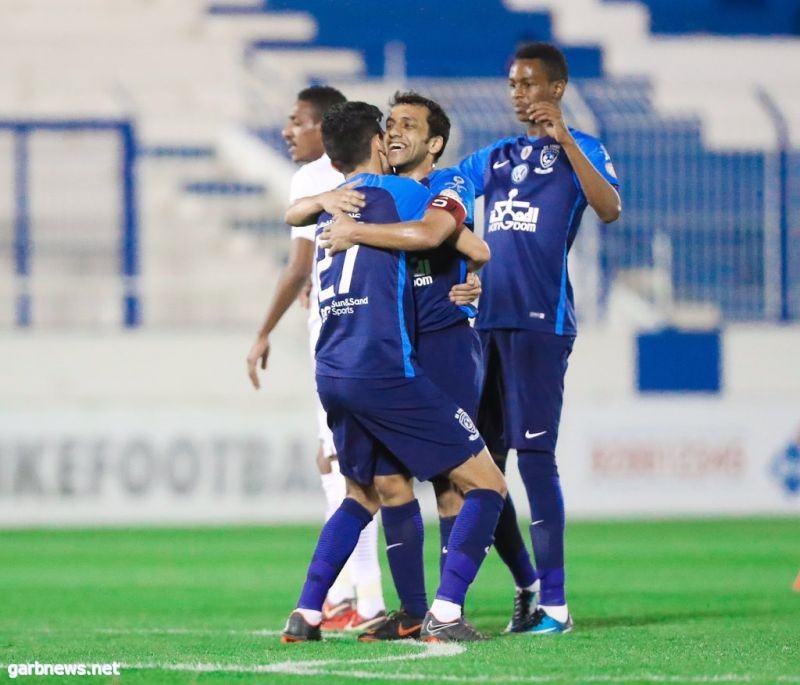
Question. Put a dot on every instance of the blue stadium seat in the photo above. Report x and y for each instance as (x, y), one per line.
(725, 17)
(471, 37)
(708, 204)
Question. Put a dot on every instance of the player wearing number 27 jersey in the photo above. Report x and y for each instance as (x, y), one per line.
(380, 405)
(367, 308)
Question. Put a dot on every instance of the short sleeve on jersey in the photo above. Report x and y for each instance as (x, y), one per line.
(410, 197)
(451, 190)
(598, 156)
(473, 167)
(304, 232)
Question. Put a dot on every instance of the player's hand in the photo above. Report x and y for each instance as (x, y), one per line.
(467, 292)
(551, 117)
(336, 236)
(304, 298)
(343, 200)
(258, 352)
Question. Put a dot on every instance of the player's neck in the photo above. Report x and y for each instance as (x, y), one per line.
(372, 166)
(419, 172)
(536, 131)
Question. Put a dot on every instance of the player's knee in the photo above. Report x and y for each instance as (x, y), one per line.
(394, 490)
(479, 473)
(365, 495)
(493, 479)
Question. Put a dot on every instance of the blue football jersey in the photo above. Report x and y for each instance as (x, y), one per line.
(436, 271)
(365, 294)
(533, 207)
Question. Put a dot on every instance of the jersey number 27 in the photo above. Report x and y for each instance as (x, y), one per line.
(345, 279)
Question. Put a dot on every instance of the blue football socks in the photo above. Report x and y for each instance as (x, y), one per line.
(510, 546)
(336, 542)
(540, 476)
(470, 540)
(402, 526)
(445, 528)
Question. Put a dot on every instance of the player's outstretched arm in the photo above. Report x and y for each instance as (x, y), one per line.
(290, 283)
(306, 210)
(427, 233)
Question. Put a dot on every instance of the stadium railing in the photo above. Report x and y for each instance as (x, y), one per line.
(68, 214)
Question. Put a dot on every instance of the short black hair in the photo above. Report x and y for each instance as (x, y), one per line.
(553, 60)
(438, 121)
(347, 131)
(321, 98)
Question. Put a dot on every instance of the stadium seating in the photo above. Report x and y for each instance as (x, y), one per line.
(724, 17)
(197, 79)
(438, 27)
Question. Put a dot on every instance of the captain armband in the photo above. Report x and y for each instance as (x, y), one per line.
(450, 202)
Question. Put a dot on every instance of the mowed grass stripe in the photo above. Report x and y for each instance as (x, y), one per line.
(691, 600)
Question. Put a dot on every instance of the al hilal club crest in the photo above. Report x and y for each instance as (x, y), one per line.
(547, 158)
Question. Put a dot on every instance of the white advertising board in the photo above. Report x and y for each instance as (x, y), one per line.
(647, 457)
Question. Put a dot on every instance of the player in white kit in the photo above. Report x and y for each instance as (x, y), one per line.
(355, 602)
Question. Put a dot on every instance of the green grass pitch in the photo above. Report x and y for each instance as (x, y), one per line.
(679, 601)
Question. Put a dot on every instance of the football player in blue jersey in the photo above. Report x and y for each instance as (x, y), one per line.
(386, 415)
(536, 187)
(448, 348)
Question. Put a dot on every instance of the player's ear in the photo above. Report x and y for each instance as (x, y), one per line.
(558, 88)
(435, 145)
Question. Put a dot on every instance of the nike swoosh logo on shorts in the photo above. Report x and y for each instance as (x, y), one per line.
(531, 436)
(497, 165)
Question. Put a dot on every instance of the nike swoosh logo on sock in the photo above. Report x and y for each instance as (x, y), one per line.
(396, 544)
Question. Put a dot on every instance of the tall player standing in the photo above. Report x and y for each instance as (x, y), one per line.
(536, 188)
(355, 601)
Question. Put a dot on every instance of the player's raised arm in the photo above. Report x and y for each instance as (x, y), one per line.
(306, 210)
(602, 197)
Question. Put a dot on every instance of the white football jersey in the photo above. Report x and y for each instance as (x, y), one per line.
(315, 177)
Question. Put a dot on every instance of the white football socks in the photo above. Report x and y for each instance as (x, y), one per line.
(312, 617)
(445, 611)
(531, 588)
(333, 486)
(559, 612)
(365, 572)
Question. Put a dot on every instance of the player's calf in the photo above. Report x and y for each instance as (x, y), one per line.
(485, 491)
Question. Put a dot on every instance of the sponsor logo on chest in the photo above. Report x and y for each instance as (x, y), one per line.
(513, 215)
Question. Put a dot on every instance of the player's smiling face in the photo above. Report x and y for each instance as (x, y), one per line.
(528, 83)
(303, 133)
(407, 137)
